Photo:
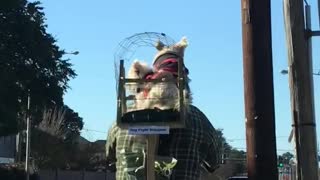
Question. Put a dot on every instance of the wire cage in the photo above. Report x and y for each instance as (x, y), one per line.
(134, 107)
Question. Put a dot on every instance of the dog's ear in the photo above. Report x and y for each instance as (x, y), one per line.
(183, 43)
(159, 45)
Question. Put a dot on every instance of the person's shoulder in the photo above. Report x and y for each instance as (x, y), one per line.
(196, 112)
(193, 109)
(198, 117)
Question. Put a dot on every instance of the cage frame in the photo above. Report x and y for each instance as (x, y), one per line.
(122, 99)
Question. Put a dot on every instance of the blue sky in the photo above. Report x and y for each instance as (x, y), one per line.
(214, 57)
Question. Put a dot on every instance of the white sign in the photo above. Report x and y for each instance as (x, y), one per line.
(149, 130)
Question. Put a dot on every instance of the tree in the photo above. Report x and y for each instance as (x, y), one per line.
(222, 142)
(239, 158)
(54, 140)
(234, 160)
(29, 59)
(285, 158)
(234, 156)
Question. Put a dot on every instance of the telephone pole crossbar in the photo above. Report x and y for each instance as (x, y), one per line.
(315, 33)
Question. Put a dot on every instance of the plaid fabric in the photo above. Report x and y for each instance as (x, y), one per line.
(191, 146)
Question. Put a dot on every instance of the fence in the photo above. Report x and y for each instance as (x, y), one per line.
(74, 175)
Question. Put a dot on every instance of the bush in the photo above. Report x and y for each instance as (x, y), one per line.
(14, 173)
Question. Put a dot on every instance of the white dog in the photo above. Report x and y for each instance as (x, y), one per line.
(138, 70)
(162, 95)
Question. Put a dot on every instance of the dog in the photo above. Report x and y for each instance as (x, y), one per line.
(161, 95)
(138, 70)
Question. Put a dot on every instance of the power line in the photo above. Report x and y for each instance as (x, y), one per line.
(92, 130)
(89, 135)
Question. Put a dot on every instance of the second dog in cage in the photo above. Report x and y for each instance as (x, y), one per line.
(161, 95)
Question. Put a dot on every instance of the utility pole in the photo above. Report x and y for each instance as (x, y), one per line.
(258, 90)
(28, 138)
(301, 87)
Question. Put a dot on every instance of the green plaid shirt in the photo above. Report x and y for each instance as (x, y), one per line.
(191, 146)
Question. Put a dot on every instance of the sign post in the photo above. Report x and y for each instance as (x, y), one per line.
(152, 141)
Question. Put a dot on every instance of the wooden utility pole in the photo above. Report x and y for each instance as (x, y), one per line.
(258, 90)
(301, 87)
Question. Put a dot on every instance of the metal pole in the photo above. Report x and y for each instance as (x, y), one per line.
(301, 87)
(28, 138)
(258, 90)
